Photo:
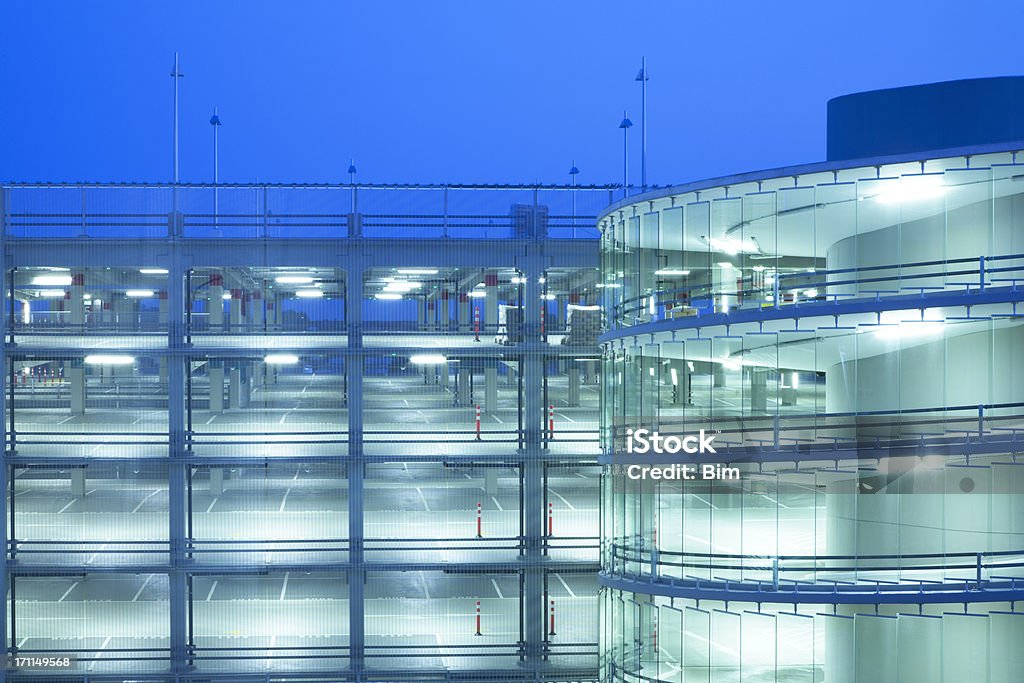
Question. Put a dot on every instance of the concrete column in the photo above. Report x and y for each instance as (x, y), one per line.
(215, 370)
(574, 386)
(758, 391)
(216, 481)
(76, 387)
(718, 374)
(465, 313)
(254, 310)
(78, 481)
(269, 374)
(235, 310)
(491, 389)
(272, 312)
(489, 319)
(162, 315)
(491, 481)
(216, 302)
(235, 387)
(681, 389)
(465, 398)
(76, 310)
(246, 390)
(443, 374)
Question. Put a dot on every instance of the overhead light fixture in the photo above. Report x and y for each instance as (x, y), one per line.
(139, 293)
(102, 359)
(581, 307)
(758, 269)
(153, 271)
(293, 279)
(52, 280)
(309, 293)
(428, 359)
(225, 296)
(911, 188)
(810, 293)
(418, 271)
(671, 271)
(51, 293)
(477, 294)
(608, 285)
(400, 286)
(548, 297)
(389, 296)
(516, 280)
(675, 377)
(731, 246)
(280, 359)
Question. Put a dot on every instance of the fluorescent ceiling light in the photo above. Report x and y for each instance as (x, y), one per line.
(139, 293)
(671, 271)
(389, 296)
(904, 330)
(153, 271)
(518, 280)
(580, 307)
(428, 359)
(281, 359)
(911, 188)
(52, 280)
(418, 271)
(810, 293)
(477, 294)
(675, 377)
(102, 359)
(309, 293)
(609, 285)
(731, 246)
(293, 279)
(548, 297)
(401, 286)
(225, 296)
(49, 293)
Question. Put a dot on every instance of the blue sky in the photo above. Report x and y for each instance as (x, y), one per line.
(459, 91)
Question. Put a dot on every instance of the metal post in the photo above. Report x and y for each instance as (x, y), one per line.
(176, 74)
(356, 464)
(177, 467)
(642, 77)
(215, 122)
(625, 126)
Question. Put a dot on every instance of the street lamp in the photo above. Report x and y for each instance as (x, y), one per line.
(643, 78)
(625, 126)
(176, 74)
(215, 122)
(573, 172)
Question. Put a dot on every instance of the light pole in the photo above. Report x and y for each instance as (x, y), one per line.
(215, 122)
(643, 78)
(176, 74)
(625, 126)
(573, 172)
(352, 181)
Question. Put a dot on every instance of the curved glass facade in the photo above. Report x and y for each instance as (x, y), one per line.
(852, 338)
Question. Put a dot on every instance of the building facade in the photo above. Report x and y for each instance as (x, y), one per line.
(303, 433)
(850, 331)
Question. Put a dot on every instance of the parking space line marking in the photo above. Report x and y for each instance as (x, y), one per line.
(209, 595)
(706, 502)
(423, 498)
(68, 591)
(102, 647)
(142, 587)
(284, 586)
(141, 502)
(285, 499)
(496, 589)
(73, 500)
(212, 503)
(500, 421)
(212, 418)
(500, 509)
(566, 417)
(565, 585)
(426, 591)
(562, 498)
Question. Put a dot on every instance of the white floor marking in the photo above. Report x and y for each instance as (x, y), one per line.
(423, 498)
(285, 499)
(142, 502)
(426, 591)
(561, 497)
(68, 505)
(67, 592)
(496, 589)
(565, 585)
(102, 647)
(565, 417)
(209, 596)
(706, 502)
(500, 509)
(212, 503)
(769, 498)
(212, 418)
(498, 419)
(284, 586)
(69, 417)
(297, 470)
(142, 587)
